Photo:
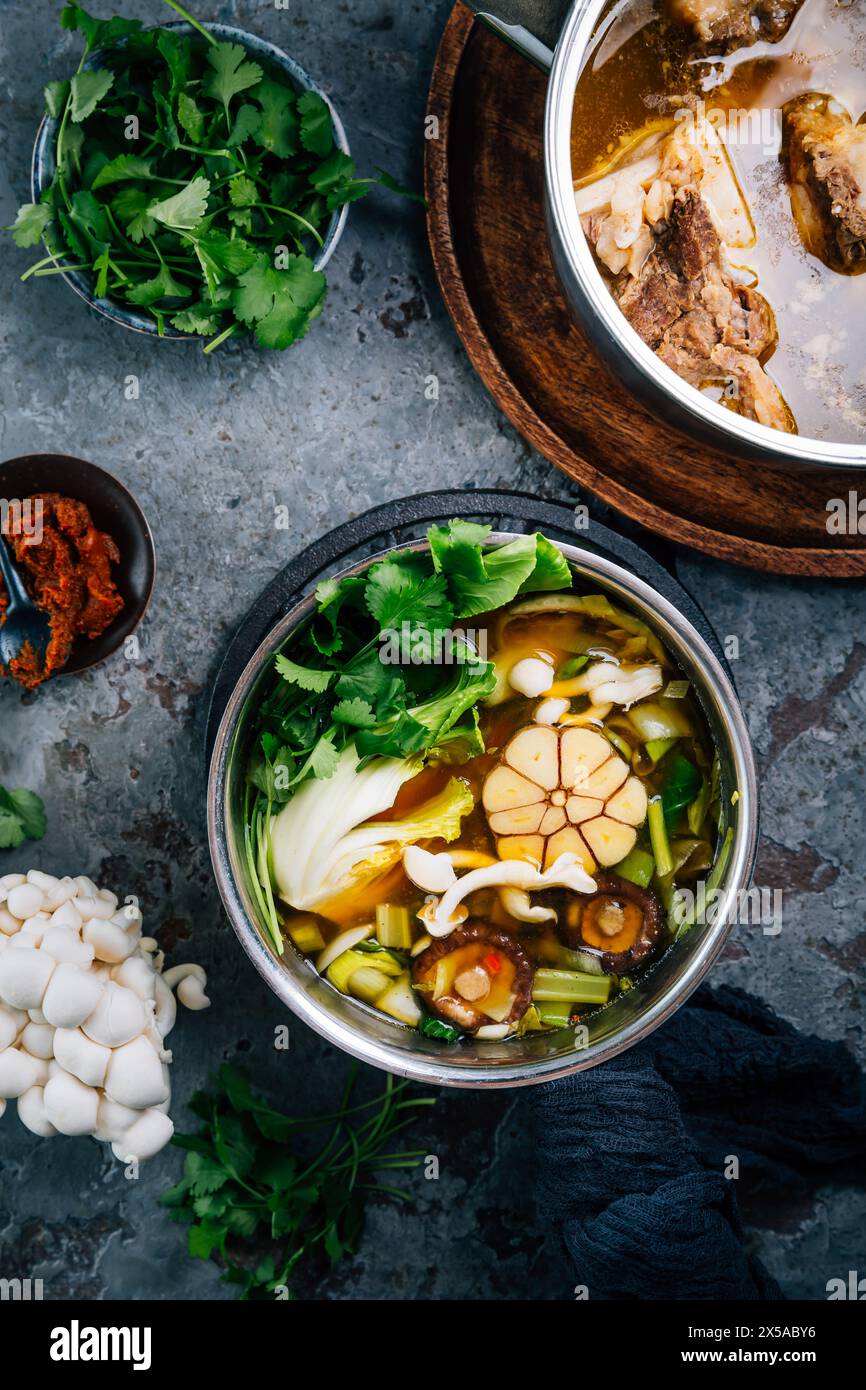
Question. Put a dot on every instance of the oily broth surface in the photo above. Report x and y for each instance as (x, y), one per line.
(562, 636)
(819, 362)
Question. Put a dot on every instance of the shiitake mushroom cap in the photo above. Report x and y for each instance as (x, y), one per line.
(581, 928)
(460, 1012)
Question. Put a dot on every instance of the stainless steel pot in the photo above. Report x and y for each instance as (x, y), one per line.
(536, 1057)
(557, 35)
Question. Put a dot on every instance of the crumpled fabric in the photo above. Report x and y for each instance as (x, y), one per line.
(631, 1155)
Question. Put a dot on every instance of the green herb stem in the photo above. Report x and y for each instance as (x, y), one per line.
(297, 216)
(185, 14)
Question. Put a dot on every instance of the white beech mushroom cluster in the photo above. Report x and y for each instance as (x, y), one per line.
(85, 1007)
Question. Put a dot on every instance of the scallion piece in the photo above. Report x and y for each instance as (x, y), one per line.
(638, 867)
(554, 1015)
(659, 837)
(657, 747)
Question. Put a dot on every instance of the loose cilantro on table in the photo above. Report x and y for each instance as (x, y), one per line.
(193, 182)
(22, 817)
(262, 1201)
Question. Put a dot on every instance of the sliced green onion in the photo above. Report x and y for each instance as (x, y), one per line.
(659, 837)
(697, 812)
(638, 867)
(657, 747)
(572, 667)
(713, 879)
(554, 1015)
(622, 746)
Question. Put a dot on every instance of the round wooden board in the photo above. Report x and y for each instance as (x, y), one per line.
(484, 181)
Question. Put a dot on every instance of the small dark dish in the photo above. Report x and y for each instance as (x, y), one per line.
(114, 510)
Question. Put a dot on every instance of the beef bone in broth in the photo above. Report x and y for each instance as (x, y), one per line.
(649, 79)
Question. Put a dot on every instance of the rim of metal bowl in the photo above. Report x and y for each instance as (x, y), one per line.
(42, 170)
(716, 690)
(568, 62)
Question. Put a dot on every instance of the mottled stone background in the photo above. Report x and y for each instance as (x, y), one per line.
(330, 428)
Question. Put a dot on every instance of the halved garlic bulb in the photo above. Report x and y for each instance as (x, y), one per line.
(563, 791)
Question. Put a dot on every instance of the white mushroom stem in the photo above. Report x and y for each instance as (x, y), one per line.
(135, 1076)
(594, 715)
(11, 1023)
(432, 873)
(80, 1056)
(18, 1072)
(31, 1113)
(24, 975)
(611, 684)
(565, 872)
(69, 1105)
(71, 996)
(493, 1032)
(532, 676)
(189, 981)
(150, 1133)
(518, 905)
(550, 711)
(84, 1011)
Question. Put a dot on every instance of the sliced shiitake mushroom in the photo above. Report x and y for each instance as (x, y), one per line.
(475, 976)
(619, 923)
(558, 791)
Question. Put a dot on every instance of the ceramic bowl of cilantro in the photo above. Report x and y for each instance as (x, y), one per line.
(189, 181)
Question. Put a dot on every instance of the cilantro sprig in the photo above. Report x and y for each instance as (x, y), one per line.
(262, 1200)
(22, 817)
(387, 662)
(193, 182)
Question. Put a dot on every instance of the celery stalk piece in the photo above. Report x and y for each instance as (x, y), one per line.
(341, 971)
(307, 935)
(570, 986)
(368, 984)
(393, 928)
(659, 837)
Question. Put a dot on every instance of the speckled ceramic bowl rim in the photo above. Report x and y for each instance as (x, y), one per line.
(42, 171)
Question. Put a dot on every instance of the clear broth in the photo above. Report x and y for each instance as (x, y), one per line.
(563, 636)
(819, 363)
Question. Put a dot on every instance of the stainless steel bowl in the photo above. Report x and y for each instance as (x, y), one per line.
(536, 27)
(536, 1057)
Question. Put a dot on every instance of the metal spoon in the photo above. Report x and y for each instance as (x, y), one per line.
(24, 621)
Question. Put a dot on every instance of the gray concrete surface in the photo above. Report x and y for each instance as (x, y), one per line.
(210, 447)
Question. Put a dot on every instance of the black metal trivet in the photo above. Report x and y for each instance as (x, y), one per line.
(396, 523)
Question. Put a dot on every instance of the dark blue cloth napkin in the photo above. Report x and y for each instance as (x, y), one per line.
(632, 1154)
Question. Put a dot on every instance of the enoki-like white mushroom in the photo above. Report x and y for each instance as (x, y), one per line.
(84, 1011)
(566, 872)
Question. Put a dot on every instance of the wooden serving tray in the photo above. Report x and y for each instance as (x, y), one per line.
(484, 178)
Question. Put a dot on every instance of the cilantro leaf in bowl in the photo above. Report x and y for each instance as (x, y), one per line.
(191, 181)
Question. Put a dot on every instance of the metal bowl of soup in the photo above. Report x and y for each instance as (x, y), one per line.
(533, 1057)
(820, 381)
